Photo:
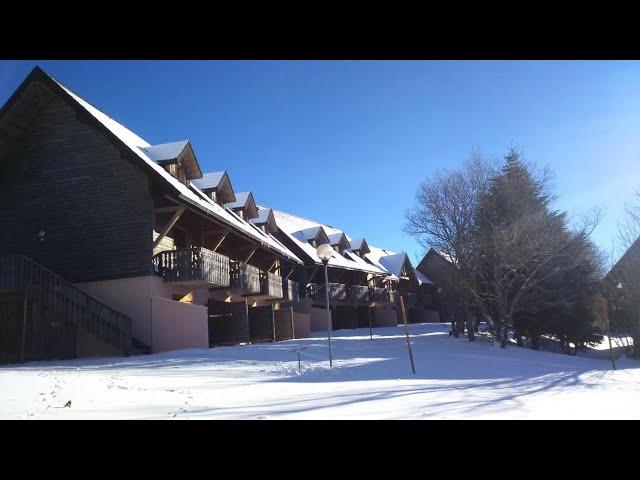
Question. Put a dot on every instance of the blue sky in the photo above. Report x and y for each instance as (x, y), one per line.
(346, 143)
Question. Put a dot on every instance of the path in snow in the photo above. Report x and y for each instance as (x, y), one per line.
(370, 379)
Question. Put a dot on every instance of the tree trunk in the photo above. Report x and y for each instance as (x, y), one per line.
(535, 342)
(471, 328)
(454, 326)
(635, 352)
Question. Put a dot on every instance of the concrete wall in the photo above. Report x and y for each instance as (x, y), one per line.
(91, 346)
(301, 325)
(384, 317)
(178, 325)
(131, 296)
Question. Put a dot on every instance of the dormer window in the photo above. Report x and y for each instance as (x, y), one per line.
(177, 158)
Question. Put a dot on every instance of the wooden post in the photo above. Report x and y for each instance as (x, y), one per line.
(273, 323)
(24, 326)
(293, 325)
(406, 332)
(370, 326)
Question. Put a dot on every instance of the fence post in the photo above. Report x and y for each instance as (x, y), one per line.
(273, 323)
(293, 325)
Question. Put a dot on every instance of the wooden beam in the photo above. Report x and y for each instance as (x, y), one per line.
(221, 240)
(167, 209)
(169, 226)
(251, 254)
(272, 265)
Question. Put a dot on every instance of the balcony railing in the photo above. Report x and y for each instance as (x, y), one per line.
(245, 277)
(359, 293)
(292, 290)
(337, 291)
(410, 298)
(193, 264)
(380, 295)
(393, 297)
(271, 285)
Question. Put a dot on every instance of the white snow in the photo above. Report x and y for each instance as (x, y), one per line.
(370, 379)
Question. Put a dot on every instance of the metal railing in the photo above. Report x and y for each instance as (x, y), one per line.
(193, 264)
(18, 272)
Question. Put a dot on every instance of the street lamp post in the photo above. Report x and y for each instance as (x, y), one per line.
(325, 252)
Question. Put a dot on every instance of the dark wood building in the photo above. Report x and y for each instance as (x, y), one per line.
(124, 226)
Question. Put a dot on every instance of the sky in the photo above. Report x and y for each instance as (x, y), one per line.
(347, 143)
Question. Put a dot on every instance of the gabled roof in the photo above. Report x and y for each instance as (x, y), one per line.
(245, 201)
(340, 239)
(216, 181)
(176, 151)
(136, 147)
(265, 216)
(316, 232)
(210, 180)
(360, 244)
(300, 230)
(394, 263)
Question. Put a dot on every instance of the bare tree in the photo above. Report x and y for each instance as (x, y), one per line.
(444, 218)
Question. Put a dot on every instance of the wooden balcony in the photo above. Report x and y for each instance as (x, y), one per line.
(245, 278)
(410, 299)
(292, 290)
(337, 292)
(193, 266)
(271, 285)
(359, 294)
(381, 295)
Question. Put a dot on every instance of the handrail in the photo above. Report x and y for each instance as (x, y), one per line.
(18, 272)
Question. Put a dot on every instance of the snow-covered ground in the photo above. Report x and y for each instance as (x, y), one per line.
(370, 379)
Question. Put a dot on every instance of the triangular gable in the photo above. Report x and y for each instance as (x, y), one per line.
(246, 203)
(359, 245)
(176, 152)
(339, 239)
(266, 217)
(218, 182)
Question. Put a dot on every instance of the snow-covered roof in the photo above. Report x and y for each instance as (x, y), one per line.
(263, 216)
(209, 180)
(241, 200)
(300, 230)
(359, 244)
(393, 262)
(191, 195)
(307, 234)
(166, 151)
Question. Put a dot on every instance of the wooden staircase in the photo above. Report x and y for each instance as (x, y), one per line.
(53, 302)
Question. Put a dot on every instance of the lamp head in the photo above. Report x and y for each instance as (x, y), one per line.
(325, 252)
